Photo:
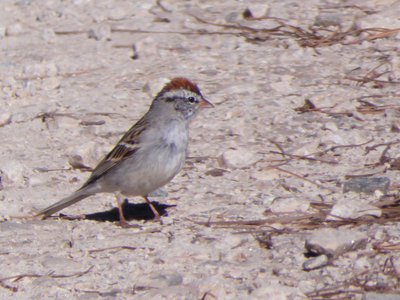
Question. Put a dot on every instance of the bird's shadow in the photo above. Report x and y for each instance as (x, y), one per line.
(132, 211)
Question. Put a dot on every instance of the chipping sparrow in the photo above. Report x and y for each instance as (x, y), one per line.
(150, 153)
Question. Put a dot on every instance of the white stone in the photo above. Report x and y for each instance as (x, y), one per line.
(335, 241)
(89, 152)
(239, 159)
(5, 118)
(352, 206)
(286, 205)
(258, 10)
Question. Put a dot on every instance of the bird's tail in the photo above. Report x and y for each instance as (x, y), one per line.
(63, 203)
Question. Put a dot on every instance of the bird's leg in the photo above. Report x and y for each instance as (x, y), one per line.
(153, 209)
(122, 221)
(120, 202)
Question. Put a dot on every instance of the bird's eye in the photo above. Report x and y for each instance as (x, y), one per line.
(192, 100)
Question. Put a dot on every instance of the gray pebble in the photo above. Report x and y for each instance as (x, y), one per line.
(367, 185)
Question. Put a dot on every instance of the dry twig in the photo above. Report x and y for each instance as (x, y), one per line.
(32, 275)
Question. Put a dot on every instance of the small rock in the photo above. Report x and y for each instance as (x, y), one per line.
(351, 206)
(89, 153)
(316, 263)
(326, 20)
(256, 10)
(238, 159)
(286, 205)
(216, 172)
(367, 185)
(5, 118)
(335, 242)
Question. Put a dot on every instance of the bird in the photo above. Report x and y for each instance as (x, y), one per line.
(149, 155)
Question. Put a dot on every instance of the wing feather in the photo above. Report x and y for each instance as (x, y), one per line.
(126, 147)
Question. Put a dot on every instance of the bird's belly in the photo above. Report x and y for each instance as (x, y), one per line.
(150, 171)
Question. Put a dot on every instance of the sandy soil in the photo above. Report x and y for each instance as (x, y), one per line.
(300, 110)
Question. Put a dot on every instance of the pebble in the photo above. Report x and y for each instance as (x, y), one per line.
(238, 159)
(287, 205)
(351, 206)
(326, 20)
(258, 10)
(90, 153)
(5, 118)
(216, 172)
(316, 262)
(334, 242)
(367, 185)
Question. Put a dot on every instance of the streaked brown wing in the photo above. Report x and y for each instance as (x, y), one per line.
(126, 147)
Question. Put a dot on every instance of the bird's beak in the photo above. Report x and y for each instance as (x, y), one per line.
(205, 104)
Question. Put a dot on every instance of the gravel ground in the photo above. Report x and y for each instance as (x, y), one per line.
(290, 190)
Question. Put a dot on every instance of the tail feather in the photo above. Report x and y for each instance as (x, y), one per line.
(63, 203)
